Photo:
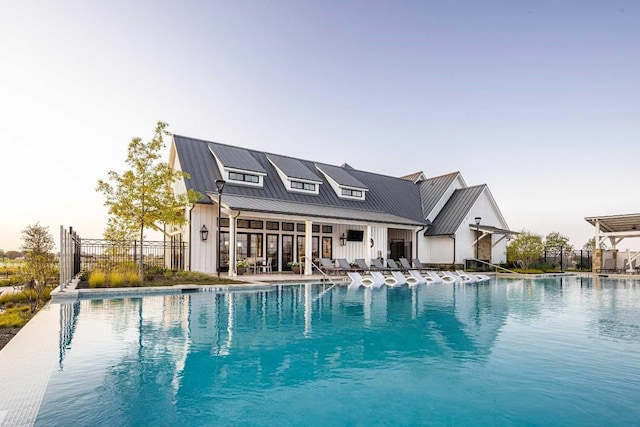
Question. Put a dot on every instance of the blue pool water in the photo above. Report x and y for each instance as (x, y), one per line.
(523, 352)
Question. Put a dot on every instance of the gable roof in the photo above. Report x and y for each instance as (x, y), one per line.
(432, 190)
(389, 199)
(415, 177)
(454, 211)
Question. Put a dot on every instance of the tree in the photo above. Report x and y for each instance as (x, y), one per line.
(555, 241)
(40, 262)
(591, 245)
(526, 248)
(13, 254)
(142, 197)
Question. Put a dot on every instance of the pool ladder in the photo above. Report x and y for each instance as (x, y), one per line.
(334, 284)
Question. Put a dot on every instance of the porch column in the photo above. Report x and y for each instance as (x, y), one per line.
(232, 245)
(308, 248)
(367, 245)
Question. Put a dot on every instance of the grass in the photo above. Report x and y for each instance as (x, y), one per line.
(15, 317)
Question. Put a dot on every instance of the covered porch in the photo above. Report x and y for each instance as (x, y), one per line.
(612, 230)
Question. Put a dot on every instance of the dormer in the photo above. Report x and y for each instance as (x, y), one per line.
(238, 166)
(295, 176)
(345, 185)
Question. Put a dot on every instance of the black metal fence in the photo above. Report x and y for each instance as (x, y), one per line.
(100, 253)
(567, 260)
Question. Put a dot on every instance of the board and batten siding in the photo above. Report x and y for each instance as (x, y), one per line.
(437, 250)
(203, 253)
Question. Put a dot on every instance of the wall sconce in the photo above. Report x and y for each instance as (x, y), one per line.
(204, 233)
(343, 239)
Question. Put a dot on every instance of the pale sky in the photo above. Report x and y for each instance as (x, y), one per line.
(539, 99)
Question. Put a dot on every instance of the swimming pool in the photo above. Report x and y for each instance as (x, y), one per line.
(526, 352)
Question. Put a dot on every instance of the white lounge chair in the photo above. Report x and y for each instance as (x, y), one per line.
(435, 278)
(482, 277)
(380, 280)
(402, 279)
(419, 278)
(449, 277)
(466, 277)
(357, 280)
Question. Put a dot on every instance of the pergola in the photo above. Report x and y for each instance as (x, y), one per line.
(616, 228)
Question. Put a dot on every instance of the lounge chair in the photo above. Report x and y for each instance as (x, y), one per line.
(420, 279)
(418, 265)
(435, 278)
(357, 280)
(465, 277)
(608, 266)
(401, 279)
(328, 267)
(449, 277)
(362, 265)
(377, 264)
(406, 264)
(380, 279)
(391, 264)
(344, 265)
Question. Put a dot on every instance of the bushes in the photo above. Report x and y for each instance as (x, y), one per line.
(119, 277)
(10, 299)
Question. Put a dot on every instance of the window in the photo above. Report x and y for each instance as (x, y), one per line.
(306, 186)
(287, 226)
(273, 225)
(243, 223)
(256, 225)
(328, 229)
(301, 228)
(315, 228)
(224, 222)
(351, 193)
(244, 177)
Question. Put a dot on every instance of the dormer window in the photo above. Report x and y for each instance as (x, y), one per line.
(244, 177)
(237, 165)
(345, 185)
(295, 175)
(350, 192)
(305, 186)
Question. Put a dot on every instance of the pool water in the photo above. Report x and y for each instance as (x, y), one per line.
(523, 352)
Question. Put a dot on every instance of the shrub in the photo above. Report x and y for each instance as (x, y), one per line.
(132, 278)
(15, 317)
(13, 298)
(97, 279)
(116, 279)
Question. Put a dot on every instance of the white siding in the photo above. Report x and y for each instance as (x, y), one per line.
(438, 250)
(203, 255)
(354, 250)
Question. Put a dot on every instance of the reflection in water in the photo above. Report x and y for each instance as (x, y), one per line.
(192, 353)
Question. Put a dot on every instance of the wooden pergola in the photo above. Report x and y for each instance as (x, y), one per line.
(614, 228)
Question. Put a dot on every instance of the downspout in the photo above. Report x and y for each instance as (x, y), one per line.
(453, 236)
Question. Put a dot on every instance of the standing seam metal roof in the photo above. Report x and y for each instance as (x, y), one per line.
(390, 195)
(236, 158)
(293, 168)
(454, 211)
(432, 190)
(341, 176)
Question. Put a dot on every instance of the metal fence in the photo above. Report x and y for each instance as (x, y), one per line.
(69, 255)
(100, 253)
(567, 260)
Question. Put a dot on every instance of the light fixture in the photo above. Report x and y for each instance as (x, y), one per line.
(343, 239)
(204, 233)
(220, 186)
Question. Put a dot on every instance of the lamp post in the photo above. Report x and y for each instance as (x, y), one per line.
(477, 236)
(220, 186)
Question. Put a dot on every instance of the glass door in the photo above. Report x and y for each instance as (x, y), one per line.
(287, 252)
(272, 250)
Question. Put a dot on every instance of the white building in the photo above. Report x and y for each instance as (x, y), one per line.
(283, 209)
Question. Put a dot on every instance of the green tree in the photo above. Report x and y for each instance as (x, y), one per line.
(40, 262)
(591, 245)
(13, 254)
(526, 248)
(142, 197)
(555, 241)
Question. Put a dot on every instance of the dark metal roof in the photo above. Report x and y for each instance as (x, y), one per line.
(236, 158)
(432, 190)
(341, 175)
(293, 168)
(387, 196)
(454, 211)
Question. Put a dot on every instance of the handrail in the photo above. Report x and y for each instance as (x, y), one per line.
(320, 295)
(493, 265)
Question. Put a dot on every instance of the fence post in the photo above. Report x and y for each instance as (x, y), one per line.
(580, 259)
(561, 260)
(62, 259)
